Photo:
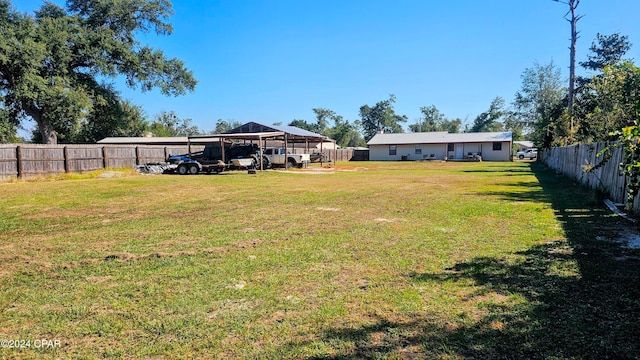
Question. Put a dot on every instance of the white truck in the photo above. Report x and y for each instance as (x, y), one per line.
(529, 154)
(278, 156)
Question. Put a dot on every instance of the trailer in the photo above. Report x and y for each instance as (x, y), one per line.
(212, 160)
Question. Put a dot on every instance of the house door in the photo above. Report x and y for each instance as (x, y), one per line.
(459, 151)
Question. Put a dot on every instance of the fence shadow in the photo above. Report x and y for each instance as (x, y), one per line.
(590, 316)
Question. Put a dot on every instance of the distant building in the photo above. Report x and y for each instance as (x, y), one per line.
(491, 146)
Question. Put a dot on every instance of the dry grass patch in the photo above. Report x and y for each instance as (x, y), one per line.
(398, 260)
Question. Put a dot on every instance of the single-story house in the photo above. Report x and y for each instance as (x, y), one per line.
(491, 146)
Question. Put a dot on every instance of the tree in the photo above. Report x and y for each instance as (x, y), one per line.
(302, 124)
(536, 104)
(617, 101)
(381, 117)
(592, 94)
(322, 119)
(345, 134)
(431, 120)
(118, 118)
(573, 5)
(434, 120)
(51, 64)
(169, 124)
(606, 50)
(490, 120)
(223, 126)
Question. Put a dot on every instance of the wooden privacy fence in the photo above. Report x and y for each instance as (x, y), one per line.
(29, 160)
(573, 161)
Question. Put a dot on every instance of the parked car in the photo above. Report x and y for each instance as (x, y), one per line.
(527, 154)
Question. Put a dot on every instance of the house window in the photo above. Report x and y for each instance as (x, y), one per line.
(497, 146)
(450, 147)
(392, 149)
(418, 149)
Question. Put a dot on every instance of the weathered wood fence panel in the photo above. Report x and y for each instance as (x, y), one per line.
(8, 162)
(39, 160)
(81, 158)
(28, 160)
(572, 161)
(119, 156)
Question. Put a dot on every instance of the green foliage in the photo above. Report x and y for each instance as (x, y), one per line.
(539, 103)
(614, 95)
(346, 134)
(223, 126)
(50, 62)
(169, 124)
(117, 118)
(606, 50)
(381, 116)
(621, 106)
(434, 120)
(489, 120)
(303, 124)
(323, 116)
(343, 132)
(8, 128)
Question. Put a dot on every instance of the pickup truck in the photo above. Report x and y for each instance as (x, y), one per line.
(529, 154)
(278, 156)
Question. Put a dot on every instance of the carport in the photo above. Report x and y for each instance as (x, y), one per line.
(251, 131)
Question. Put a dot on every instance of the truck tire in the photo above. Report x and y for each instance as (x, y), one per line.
(291, 163)
(521, 157)
(194, 169)
(183, 169)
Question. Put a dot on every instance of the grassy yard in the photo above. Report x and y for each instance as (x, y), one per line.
(389, 260)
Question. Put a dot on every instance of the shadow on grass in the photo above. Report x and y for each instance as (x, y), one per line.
(536, 306)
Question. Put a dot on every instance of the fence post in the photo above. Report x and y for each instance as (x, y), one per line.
(19, 161)
(104, 157)
(66, 159)
(137, 154)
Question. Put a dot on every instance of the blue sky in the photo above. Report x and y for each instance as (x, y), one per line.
(273, 61)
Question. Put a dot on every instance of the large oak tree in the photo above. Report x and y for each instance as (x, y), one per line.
(53, 65)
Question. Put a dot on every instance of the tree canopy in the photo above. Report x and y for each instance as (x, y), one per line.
(536, 103)
(381, 117)
(169, 124)
(52, 64)
(489, 120)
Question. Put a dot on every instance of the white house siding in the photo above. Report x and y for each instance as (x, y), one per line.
(381, 152)
(496, 155)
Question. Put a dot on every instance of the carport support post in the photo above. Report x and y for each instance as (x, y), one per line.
(261, 153)
(335, 153)
(285, 151)
(222, 149)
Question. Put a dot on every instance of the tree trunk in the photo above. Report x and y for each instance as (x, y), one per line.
(573, 4)
(46, 129)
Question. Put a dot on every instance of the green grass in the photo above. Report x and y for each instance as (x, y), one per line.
(394, 260)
